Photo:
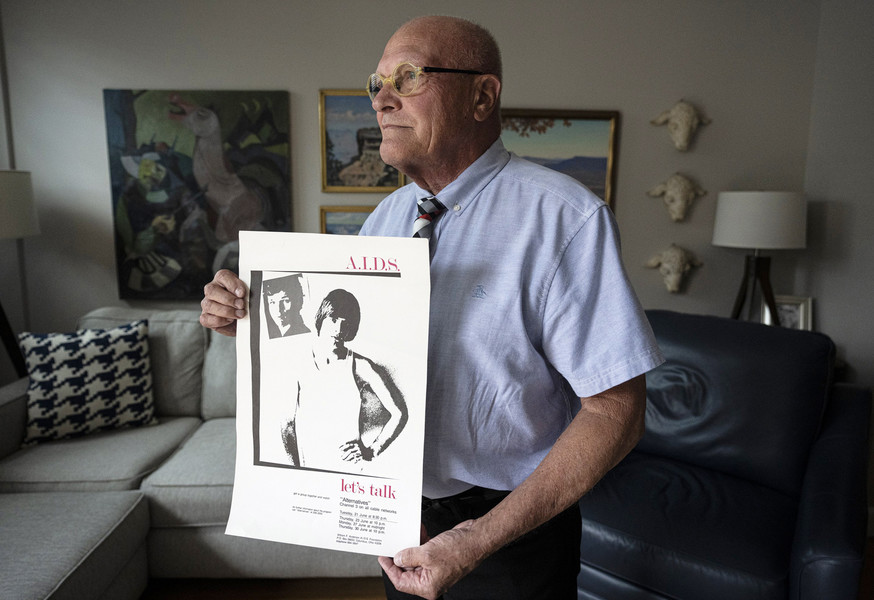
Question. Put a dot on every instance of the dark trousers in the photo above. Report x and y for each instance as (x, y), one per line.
(541, 565)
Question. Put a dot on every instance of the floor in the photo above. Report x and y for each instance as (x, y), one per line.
(336, 589)
(355, 588)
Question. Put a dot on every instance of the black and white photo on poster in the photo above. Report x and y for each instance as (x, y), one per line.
(331, 390)
(338, 396)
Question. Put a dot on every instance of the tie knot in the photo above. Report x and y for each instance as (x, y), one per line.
(429, 209)
(430, 206)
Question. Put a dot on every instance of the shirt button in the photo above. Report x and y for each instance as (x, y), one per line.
(456, 208)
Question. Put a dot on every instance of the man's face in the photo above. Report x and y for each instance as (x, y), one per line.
(280, 308)
(335, 327)
(421, 133)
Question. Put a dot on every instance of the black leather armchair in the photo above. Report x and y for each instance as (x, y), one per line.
(750, 481)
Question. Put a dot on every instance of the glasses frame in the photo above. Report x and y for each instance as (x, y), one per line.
(417, 70)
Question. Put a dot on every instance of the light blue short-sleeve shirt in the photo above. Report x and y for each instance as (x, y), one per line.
(531, 309)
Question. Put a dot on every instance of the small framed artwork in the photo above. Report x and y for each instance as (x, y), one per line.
(344, 220)
(579, 143)
(794, 312)
(350, 139)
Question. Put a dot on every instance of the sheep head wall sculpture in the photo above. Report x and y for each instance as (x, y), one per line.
(682, 119)
(679, 192)
(674, 264)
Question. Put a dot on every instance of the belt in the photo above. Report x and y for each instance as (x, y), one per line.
(473, 495)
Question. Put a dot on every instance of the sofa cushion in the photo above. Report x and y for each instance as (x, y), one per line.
(721, 400)
(194, 487)
(220, 377)
(685, 532)
(87, 381)
(71, 545)
(110, 460)
(13, 416)
(177, 342)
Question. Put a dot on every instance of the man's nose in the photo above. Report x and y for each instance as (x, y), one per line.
(385, 99)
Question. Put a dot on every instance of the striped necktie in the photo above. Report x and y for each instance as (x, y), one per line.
(429, 210)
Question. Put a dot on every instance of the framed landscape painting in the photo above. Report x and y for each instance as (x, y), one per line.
(579, 143)
(344, 220)
(350, 139)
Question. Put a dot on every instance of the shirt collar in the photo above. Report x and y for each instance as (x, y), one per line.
(464, 190)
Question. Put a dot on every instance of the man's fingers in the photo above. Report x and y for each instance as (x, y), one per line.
(224, 301)
(219, 324)
(405, 559)
(409, 576)
(226, 281)
(230, 281)
(229, 308)
(388, 565)
(224, 296)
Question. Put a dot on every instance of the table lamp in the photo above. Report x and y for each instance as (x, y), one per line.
(17, 220)
(759, 221)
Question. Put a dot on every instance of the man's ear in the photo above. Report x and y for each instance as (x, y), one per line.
(488, 90)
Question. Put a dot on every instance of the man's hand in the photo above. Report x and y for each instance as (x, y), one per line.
(354, 451)
(431, 569)
(224, 302)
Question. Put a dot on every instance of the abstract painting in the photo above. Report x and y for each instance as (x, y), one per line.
(189, 170)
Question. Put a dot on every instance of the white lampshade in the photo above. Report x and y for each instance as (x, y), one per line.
(760, 220)
(17, 210)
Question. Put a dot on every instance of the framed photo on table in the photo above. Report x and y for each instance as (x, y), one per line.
(344, 220)
(579, 143)
(350, 139)
(794, 312)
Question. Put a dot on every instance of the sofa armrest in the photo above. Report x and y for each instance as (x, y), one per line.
(830, 532)
(13, 416)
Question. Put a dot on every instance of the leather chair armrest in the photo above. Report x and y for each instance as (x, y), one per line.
(13, 416)
(830, 532)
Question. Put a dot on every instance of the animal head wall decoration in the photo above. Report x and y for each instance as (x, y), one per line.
(679, 192)
(682, 120)
(674, 264)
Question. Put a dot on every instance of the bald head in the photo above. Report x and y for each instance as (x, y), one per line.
(464, 44)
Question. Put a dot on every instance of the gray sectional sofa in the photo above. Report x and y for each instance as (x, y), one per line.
(96, 516)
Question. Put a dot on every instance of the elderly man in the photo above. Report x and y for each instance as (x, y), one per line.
(538, 346)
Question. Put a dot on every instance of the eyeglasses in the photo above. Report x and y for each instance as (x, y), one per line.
(405, 78)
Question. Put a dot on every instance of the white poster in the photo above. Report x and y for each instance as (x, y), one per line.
(331, 376)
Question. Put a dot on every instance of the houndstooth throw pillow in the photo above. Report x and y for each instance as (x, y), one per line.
(88, 381)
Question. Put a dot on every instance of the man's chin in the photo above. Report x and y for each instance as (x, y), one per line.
(389, 154)
(396, 157)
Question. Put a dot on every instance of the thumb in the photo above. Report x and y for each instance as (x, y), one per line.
(407, 559)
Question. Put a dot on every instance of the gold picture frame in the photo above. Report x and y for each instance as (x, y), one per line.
(350, 139)
(344, 220)
(581, 143)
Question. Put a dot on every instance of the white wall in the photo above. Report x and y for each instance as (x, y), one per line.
(748, 63)
(839, 179)
(839, 270)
